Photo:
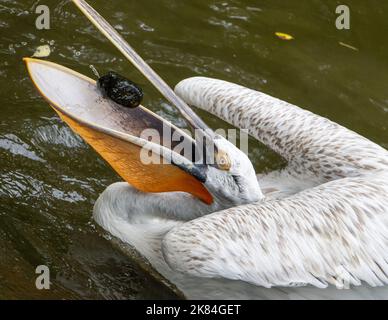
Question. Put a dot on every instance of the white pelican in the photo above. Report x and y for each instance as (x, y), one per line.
(220, 231)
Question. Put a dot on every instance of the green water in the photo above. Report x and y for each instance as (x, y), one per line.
(49, 178)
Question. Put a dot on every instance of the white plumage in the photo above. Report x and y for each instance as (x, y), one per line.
(320, 222)
(323, 221)
(302, 232)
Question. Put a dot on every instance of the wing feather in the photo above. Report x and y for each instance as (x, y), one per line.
(336, 233)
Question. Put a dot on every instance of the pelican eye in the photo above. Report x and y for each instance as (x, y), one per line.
(223, 161)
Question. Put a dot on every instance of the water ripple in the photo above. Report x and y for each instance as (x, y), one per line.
(16, 146)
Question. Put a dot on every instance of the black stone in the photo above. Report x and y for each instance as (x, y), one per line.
(121, 90)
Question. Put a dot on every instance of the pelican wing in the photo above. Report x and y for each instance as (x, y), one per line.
(310, 143)
(336, 233)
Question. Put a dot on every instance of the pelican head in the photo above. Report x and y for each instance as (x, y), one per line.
(234, 178)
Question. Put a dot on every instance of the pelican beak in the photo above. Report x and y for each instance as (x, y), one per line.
(115, 132)
(204, 135)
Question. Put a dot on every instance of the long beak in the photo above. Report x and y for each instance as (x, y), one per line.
(115, 132)
(205, 136)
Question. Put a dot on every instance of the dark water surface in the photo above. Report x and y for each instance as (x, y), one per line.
(49, 178)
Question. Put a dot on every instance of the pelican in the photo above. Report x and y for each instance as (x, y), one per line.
(219, 230)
